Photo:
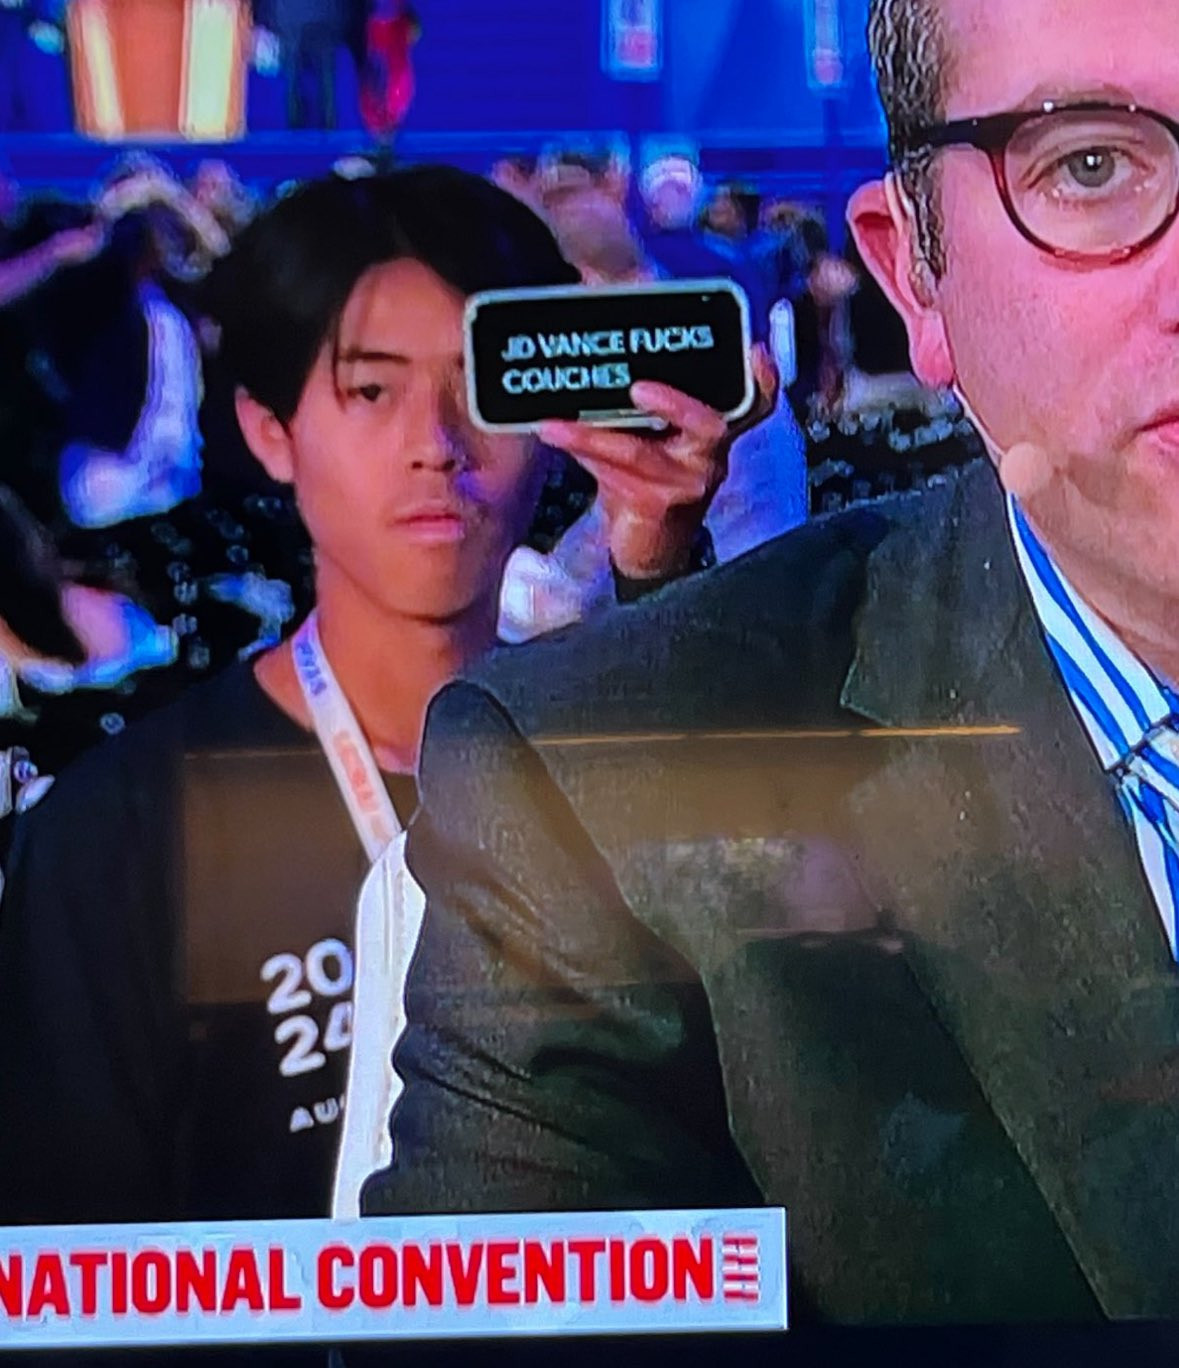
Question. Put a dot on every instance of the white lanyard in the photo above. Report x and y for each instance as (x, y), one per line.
(388, 921)
(344, 744)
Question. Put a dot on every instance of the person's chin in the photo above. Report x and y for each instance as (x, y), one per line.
(440, 604)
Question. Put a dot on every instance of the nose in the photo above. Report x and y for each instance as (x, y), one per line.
(437, 438)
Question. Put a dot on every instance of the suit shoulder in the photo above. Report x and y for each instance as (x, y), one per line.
(771, 629)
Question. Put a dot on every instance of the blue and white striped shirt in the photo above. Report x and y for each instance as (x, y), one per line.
(1130, 715)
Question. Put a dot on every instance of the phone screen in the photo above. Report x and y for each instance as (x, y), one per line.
(574, 352)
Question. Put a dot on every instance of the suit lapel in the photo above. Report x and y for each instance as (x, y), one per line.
(1015, 878)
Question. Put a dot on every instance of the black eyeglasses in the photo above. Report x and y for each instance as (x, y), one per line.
(1089, 182)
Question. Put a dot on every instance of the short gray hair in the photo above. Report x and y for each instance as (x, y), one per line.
(910, 57)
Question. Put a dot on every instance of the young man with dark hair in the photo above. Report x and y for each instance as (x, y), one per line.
(176, 939)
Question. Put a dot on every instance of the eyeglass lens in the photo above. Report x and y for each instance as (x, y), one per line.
(1093, 182)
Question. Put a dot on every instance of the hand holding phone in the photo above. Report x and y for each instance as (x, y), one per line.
(655, 487)
(671, 362)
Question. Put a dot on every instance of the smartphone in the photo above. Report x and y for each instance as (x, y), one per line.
(573, 352)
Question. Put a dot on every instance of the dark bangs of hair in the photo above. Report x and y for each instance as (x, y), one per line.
(278, 295)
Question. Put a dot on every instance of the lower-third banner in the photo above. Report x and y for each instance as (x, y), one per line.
(320, 1281)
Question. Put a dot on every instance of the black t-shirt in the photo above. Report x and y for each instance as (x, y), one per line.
(176, 962)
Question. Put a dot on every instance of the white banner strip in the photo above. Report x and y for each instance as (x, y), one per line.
(586, 1273)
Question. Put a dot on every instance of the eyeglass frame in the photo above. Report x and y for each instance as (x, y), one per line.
(992, 134)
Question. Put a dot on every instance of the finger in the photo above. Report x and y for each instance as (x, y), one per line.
(650, 478)
(767, 383)
(678, 409)
(649, 459)
(639, 486)
(682, 464)
(765, 377)
(584, 439)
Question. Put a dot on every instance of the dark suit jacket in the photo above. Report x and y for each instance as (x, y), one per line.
(815, 845)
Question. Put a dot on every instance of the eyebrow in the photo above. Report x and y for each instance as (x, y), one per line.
(352, 355)
(1065, 95)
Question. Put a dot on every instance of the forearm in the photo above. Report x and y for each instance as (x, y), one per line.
(21, 275)
(630, 590)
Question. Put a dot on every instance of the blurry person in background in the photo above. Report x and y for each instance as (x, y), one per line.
(178, 941)
(517, 174)
(387, 77)
(20, 275)
(589, 219)
(59, 633)
(218, 189)
(44, 250)
(313, 35)
(35, 625)
(672, 191)
(191, 234)
(779, 251)
(125, 347)
(822, 285)
(133, 441)
(25, 266)
(33, 620)
(721, 216)
(831, 285)
(730, 212)
(780, 248)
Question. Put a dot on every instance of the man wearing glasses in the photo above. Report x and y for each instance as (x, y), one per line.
(847, 874)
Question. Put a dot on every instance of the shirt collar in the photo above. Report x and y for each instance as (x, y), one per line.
(1119, 699)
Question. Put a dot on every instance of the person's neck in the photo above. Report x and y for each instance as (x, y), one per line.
(388, 666)
(1143, 621)
(1149, 635)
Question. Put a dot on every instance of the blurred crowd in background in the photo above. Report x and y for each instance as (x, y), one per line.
(141, 547)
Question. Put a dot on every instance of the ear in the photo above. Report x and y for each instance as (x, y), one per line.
(266, 437)
(882, 224)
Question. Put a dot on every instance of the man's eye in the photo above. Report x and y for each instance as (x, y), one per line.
(1093, 169)
(371, 394)
(1095, 173)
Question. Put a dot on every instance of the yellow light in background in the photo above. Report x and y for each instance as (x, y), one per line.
(98, 81)
(210, 103)
(999, 731)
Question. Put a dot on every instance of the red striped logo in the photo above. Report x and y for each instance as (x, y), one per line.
(740, 1268)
